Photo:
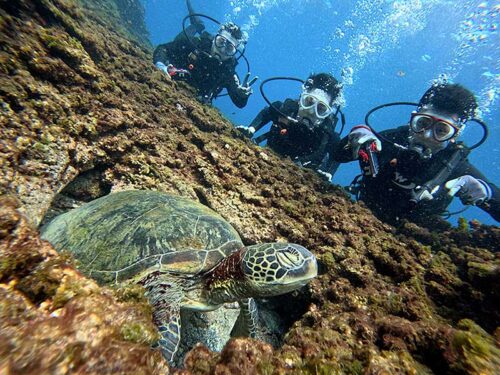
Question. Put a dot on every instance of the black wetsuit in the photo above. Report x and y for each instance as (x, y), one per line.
(309, 148)
(208, 75)
(389, 193)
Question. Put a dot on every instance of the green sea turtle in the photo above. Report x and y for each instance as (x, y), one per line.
(183, 253)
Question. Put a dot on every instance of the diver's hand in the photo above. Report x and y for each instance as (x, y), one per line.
(469, 189)
(244, 89)
(164, 68)
(247, 131)
(325, 175)
(360, 135)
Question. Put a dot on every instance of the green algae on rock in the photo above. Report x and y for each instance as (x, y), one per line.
(53, 320)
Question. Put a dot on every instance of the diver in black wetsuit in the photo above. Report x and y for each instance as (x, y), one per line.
(411, 156)
(307, 135)
(206, 62)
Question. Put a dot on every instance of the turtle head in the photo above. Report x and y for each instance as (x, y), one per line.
(260, 271)
(277, 268)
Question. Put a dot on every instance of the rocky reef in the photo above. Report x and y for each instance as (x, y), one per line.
(84, 113)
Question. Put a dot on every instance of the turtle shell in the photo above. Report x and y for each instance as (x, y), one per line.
(122, 235)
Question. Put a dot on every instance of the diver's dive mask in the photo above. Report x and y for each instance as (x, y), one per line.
(430, 134)
(442, 130)
(314, 107)
(224, 46)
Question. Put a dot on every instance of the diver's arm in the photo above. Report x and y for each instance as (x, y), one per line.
(163, 53)
(320, 153)
(328, 168)
(344, 153)
(350, 144)
(167, 53)
(239, 98)
(493, 205)
(264, 117)
(173, 58)
(332, 165)
(315, 161)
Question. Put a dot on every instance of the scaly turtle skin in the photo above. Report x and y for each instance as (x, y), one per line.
(184, 254)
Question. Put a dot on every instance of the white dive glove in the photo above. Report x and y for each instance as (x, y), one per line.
(162, 67)
(469, 189)
(247, 131)
(325, 175)
(360, 135)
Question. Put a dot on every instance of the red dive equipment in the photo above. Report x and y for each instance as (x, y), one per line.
(368, 161)
(177, 73)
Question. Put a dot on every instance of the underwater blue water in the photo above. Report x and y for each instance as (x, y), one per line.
(381, 50)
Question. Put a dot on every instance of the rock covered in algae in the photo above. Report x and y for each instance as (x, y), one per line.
(467, 350)
(53, 320)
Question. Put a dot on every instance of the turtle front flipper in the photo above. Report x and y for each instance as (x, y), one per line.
(166, 298)
(170, 329)
(246, 324)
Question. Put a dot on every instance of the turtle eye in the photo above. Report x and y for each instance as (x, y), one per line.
(290, 258)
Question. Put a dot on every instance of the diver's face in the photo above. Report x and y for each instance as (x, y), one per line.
(224, 46)
(314, 107)
(432, 129)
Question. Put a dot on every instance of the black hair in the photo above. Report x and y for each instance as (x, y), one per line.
(451, 98)
(325, 82)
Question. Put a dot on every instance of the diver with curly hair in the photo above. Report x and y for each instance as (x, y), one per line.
(421, 166)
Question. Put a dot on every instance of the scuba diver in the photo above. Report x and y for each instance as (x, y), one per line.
(414, 171)
(206, 62)
(303, 129)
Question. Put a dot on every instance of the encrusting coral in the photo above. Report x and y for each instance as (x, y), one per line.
(54, 320)
(84, 112)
